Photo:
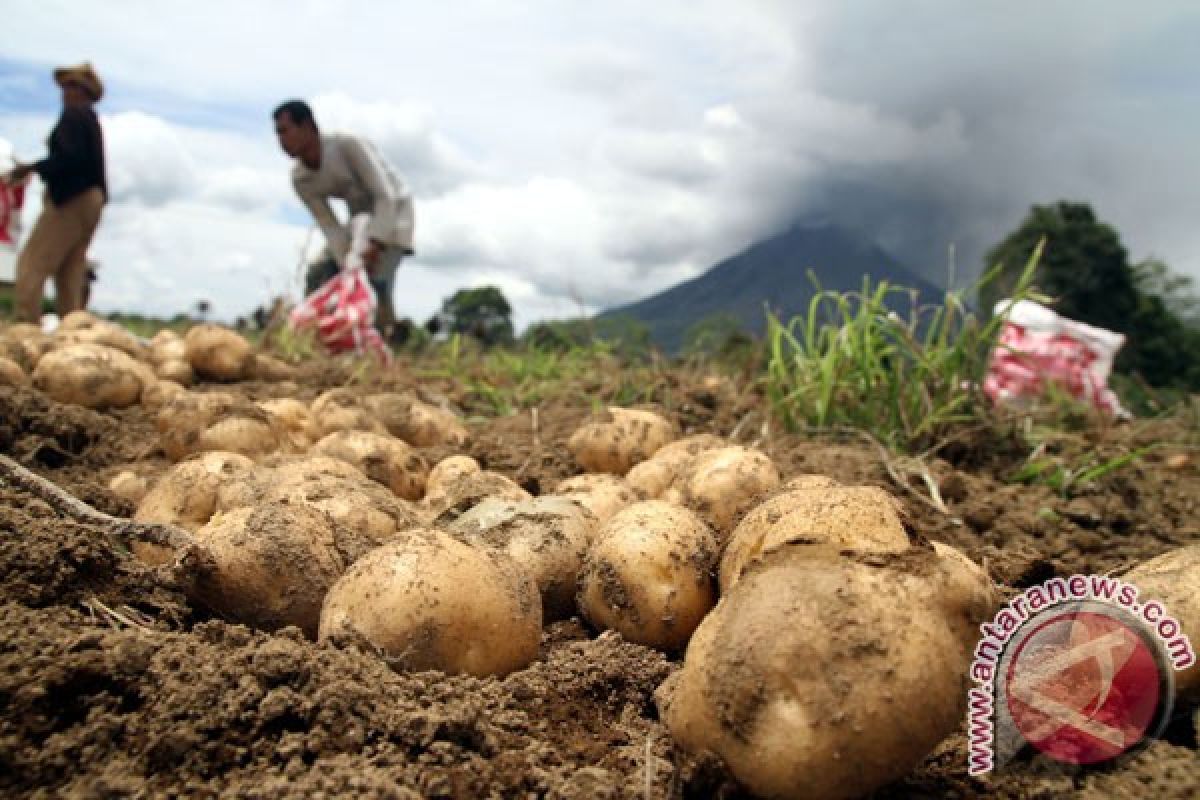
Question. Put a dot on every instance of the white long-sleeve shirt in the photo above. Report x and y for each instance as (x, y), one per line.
(353, 170)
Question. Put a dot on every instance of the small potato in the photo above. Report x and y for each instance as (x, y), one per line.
(342, 410)
(128, 485)
(450, 469)
(1173, 578)
(862, 518)
(295, 418)
(819, 676)
(196, 423)
(657, 474)
(458, 495)
(269, 368)
(160, 393)
(24, 344)
(90, 375)
(430, 426)
(167, 345)
(217, 353)
(272, 564)
(616, 443)
(430, 602)
(723, 484)
(600, 493)
(105, 333)
(11, 373)
(176, 370)
(382, 458)
(648, 575)
(547, 536)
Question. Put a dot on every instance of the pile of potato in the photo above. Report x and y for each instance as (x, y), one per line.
(783, 597)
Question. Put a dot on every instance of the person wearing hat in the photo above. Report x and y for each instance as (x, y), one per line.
(76, 191)
(350, 168)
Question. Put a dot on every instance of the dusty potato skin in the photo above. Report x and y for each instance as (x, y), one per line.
(104, 333)
(270, 368)
(820, 676)
(357, 504)
(272, 565)
(723, 484)
(218, 354)
(382, 458)
(24, 344)
(430, 426)
(808, 481)
(851, 517)
(458, 495)
(601, 494)
(160, 393)
(196, 423)
(11, 373)
(428, 601)
(176, 370)
(547, 536)
(1174, 579)
(342, 410)
(295, 419)
(89, 375)
(621, 439)
(648, 575)
(128, 485)
(450, 469)
(658, 473)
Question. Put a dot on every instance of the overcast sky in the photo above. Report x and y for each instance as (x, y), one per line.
(587, 154)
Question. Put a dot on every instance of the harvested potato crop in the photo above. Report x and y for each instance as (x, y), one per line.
(342, 410)
(295, 419)
(600, 493)
(270, 368)
(273, 564)
(547, 536)
(90, 375)
(723, 484)
(78, 320)
(24, 344)
(167, 345)
(128, 485)
(430, 426)
(11, 373)
(1174, 580)
(459, 494)
(620, 440)
(428, 601)
(822, 676)
(160, 393)
(382, 458)
(450, 469)
(218, 354)
(863, 518)
(195, 423)
(179, 371)
(808, 481)
(102, 332)
(648, 575)
(658, 473)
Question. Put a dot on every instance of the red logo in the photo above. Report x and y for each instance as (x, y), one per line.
(1085, 686)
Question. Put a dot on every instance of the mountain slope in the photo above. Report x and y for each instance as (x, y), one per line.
(772, 273)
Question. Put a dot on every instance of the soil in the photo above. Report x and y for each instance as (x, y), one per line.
(112, 685)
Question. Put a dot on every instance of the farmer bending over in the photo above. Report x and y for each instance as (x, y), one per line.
(350, 168)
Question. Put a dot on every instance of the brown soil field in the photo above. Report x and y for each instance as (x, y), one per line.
(112, 685)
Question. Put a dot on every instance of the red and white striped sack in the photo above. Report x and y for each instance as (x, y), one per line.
(1038, 347)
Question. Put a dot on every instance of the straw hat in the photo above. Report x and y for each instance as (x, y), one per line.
(84, 75)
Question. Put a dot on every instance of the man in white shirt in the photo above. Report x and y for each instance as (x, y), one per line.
(348, 167)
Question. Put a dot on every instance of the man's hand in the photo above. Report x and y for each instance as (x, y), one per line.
(18, 173)
(371, 253)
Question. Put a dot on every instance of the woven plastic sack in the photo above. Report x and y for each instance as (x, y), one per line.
(1038, 347)
(342, 311)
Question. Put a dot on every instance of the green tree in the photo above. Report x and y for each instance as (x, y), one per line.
(482, 312)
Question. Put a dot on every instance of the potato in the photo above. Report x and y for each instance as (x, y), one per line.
(458, 495)
(217, 353)
(78, 320)
(342, 410)
(195, 423)
(820, 676)
(281, 470)
(601, 494)
(546, 536)
(1173, 579)
(161, 393)
(381, 457)
(430, 426)
(428, 601)
(269, 368)
(648, 575)
(186, 496)
(179, 371)
(167, 345)
(128, 485)
(616, 443)
(294, 418)
(658, 473)
(723, 484)
(11, 373)
(863, 518)
(273, 564)
(89, 375)
(105, 333)
(357, 503)
(450, 469)
(24, 344)
(800, 482)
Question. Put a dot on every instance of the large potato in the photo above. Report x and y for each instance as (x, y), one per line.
(448, 470)
(418, 423)
(457, 495)
(294, 418)
(862, 518)
(269, 368)
(167, 345)
(195, 423)
(358, 504)
(600, 493)
(1174, 580)
(723, 484)
(90, 375)
(273, 564)
(218, 354)
(281, 470)
(547, 536)
(381, 457)
(428, 601)
(820, 676)
(342, 410)
(24, 344)
(620, 440)
(658, 473)
(11, 373)
(178, 370)
(648, 575)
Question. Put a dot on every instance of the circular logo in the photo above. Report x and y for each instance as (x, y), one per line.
(1086, 685)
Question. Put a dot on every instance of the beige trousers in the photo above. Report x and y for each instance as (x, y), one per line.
(57, 248)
